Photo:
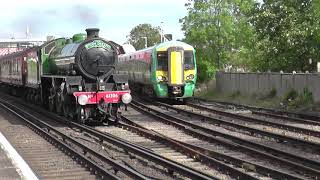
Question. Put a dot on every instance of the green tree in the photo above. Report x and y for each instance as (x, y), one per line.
(220, 32)
(288, 35)
(138, 34)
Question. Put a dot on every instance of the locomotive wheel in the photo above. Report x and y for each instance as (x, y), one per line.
(66, 106)
(28, 96)
(81, 116)
(58, 104)
(33, 97)
(66, 103)
(38, 99)
(51, 104)
(66, 110)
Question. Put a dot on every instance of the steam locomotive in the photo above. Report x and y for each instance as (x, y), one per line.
(73, 77)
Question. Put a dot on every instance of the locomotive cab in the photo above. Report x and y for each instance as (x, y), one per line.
(176, 69)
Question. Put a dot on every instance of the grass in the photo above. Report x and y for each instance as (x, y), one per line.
(291, 100)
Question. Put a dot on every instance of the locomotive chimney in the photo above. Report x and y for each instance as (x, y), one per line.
(92, 33)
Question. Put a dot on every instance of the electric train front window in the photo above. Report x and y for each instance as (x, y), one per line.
(188, 60)
(162, 61)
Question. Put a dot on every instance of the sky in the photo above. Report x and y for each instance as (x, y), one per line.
(63, 18)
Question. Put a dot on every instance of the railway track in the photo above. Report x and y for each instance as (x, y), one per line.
(47, 161)
(204, 153)
(39, 156)
(162, 147)
(87, 135)
(274, 113)
(190, 146)
(251, 126)
(232, 141)
(302, 126)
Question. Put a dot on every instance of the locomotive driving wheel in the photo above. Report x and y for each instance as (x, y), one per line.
(81, 118)
(58, 103)
(51, 100)
(66, 102)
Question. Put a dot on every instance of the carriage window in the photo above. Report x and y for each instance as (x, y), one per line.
(162, 61)
(188, 60)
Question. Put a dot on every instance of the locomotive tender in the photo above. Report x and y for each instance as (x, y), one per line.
(167, 70)
(72, 77)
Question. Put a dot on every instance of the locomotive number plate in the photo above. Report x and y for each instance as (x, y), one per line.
(112, 95)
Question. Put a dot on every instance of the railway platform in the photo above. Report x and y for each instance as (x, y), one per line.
(12, 166)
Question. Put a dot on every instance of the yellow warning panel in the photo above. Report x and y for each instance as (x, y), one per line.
(176, 68)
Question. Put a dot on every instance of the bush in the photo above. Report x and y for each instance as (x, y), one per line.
(295, 100)
(235, 94)
(269, 95)
(272, 93)
(290, 96)
(304, 98)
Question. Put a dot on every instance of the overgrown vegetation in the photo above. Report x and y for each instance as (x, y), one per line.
(269, 95)
(289, 96)
(292, 99)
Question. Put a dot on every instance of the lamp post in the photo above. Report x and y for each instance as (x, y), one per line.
(145, 41)
(161, 33)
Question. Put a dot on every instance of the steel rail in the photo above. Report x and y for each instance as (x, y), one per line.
(257, 120)
(204, 154)
(310, 118)
(138, 150)
(59, 144)
(237, 143)
(294, 119)
(314, 145)
(177, 167)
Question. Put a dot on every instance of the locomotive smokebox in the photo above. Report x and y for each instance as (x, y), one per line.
(92, 33)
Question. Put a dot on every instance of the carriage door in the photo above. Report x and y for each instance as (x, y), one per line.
(24, 70)
(175, 66)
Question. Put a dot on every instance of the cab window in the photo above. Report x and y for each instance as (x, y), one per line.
(188, 60)
(162, 58)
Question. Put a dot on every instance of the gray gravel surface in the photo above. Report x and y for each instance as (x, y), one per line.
(45, 160)
(233, 109)
(293, 148)
(163, 150)
(255, 125)
(179, 135)
(139, 164)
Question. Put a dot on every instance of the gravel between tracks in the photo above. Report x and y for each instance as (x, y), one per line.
(137, 163)
(293, 148)
(179, 135)
(254, 125)
(45, 160)
(163, 150)
(233, 109)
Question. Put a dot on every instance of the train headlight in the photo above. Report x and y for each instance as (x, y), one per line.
(126, 98)
(161, 78)
(83, 100)
(190, 77)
